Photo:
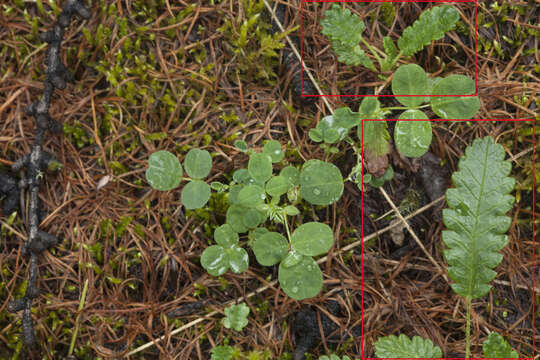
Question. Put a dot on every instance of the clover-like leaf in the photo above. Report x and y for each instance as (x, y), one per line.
(410, 79)
(302, 280)
(198, 163)
(277, 186)
(164, 171)
(273, 149)
(236, 316)
(455, 107)
(252, 217)
(403, 347)
(270, 248)
(235, 218)
(312, 239)
(251, 196)
(413, 114)
(431, 25)
(335, 127)
(242, 176)
(224, 352)
(241, 145)
(344, 30)
(413, 137)
(238, 259)
(260, 167)
(225, 235)
(321, 183)
(214, 260)
(292, 175)
(195, 194)
(370, 108)
(476, 219)
(496, 347)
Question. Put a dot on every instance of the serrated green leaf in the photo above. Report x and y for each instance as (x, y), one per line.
(321, 183)
(302, 280)
(370, 108)
(410, 79)
(270, 248)
(236, 316)
(260, 167)
(431, 25)
(403, 347)
(344, 30)
(391, 53)
(312, 239)
(496, 347)
(164, 171)
(198, 163)
(413, 138)
(195, 194)
(455, 107)
(476, 219)
(376, 137)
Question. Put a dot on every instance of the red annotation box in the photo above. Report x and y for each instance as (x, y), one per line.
(350, 3)
(397, 265)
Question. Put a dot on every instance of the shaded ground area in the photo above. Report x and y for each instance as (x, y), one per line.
(154, 75)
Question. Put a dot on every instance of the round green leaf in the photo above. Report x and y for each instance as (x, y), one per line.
(195, 194)
(242, 176)
(413, 137)
(251, 196)
(252, 218)
(315, 135)
(233, 194)
(214, 260)
(291, 210)
(225, 236)
(164, 171)
(198, 163)
(301, 281)
(312, 239)
(241, 145)
(410, 79)
(235, 218)
(413, 114)
(238, 259)
(320, 183)
(292, 174)
(292, 259)
(270, 248)
(260, 167)
(273, 149)
(277, 186)
(455, 107)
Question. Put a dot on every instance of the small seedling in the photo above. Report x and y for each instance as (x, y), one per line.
(477, 224)
(165, 173)
(256, 196)
(236, 317)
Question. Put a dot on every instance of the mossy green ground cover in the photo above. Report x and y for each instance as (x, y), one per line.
(153, 75)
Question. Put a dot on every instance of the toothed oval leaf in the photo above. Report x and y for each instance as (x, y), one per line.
(476, 219)
(431, 25)
(455, 107)
(403, 347)
(496, 347)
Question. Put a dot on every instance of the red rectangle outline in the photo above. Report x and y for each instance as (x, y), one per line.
(436, 1)
(362, 240)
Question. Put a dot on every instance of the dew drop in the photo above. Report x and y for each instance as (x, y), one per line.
(294, 289)
(317, 191)
(277, 152)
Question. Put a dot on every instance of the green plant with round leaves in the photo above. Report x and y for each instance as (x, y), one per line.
(257, 196)
(165, 172)
(236, 316)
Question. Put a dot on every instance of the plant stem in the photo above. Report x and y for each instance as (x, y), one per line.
(287, 228)
(396, 59)
(468, 328)
(81, 305)
(370, 48)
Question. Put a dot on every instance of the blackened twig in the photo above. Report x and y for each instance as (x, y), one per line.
(37, 161)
